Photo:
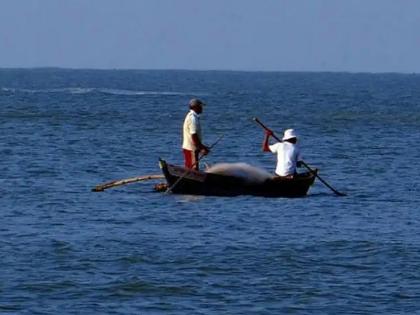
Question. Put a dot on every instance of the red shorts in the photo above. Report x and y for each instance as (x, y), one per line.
(190, 159)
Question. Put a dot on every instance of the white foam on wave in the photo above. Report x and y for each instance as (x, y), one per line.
(70, 90)
(249, 173)
(133, 92)
(79, 90)
(4, 89)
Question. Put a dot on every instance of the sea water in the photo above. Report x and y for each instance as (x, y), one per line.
(130, 250)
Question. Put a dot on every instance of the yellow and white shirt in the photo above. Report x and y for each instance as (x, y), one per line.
(191, 126)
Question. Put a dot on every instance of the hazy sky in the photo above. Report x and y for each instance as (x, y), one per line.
(286, 35)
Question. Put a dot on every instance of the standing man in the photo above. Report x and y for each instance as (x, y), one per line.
(288, 153)
(192, 144)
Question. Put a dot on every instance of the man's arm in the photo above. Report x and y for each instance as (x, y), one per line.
(197, 142)
(265, 145)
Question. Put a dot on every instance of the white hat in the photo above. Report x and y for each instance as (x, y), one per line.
(289, 134)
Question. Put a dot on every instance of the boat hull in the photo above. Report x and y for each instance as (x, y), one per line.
(186, 181)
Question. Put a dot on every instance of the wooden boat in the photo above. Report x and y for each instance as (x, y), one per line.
(186, 181)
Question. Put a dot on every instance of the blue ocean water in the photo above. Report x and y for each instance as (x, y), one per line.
(130, 250)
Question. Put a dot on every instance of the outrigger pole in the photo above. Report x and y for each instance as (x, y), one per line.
(120, 182)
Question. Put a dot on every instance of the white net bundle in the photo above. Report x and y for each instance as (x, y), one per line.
(250, 174)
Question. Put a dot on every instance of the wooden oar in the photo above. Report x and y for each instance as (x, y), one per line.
(188, 170)
(303, 163)
(120, 182)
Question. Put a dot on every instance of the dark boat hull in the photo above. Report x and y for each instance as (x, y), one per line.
(191, 182)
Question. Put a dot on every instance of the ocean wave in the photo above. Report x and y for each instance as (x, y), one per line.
(132, 92)
(4, 89)
(78, 90)
(69, 90)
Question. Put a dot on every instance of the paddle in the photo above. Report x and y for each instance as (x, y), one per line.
(120, 182)
(188, 170)
(303, 163)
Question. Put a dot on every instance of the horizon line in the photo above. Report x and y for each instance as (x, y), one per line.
(205, 70)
